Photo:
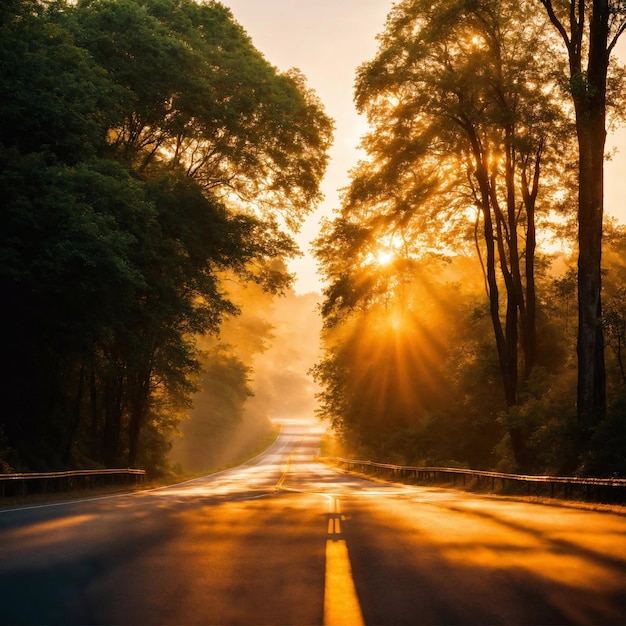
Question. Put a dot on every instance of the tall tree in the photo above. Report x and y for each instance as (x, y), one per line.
(201, 97)
(115, 120)
(590, 30)
(64, 261)
(462, 117)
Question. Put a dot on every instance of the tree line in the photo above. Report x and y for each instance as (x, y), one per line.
(449, 336)
(149, 154)
(152, 159)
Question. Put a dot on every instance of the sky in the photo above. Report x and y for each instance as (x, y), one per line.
(327, 40)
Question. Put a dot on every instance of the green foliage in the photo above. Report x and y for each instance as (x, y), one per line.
(134, 136)
(606, 455)
(57, 100)
(200, 96)
(546, 412)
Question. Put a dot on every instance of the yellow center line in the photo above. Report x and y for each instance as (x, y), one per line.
(281, 480)
(341, 604)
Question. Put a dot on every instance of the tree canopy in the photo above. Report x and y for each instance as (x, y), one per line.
(147, 147)
(469, 156)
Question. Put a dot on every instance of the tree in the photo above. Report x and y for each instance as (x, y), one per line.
(463, 118)
(220, 114)
(65, 261)
(113, 245)
(589, 30)
(201, 97)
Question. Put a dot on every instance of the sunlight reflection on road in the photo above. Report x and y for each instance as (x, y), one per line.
(562, 547)
(42, 534)
(285, 538)
(576, 556)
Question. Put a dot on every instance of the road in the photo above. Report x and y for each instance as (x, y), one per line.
(286, 540)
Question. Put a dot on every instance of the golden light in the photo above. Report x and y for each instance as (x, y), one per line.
(395, 320)
(381, 256)
(384, 256)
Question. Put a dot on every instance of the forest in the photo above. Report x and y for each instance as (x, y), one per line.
(475, 300)
(153, 163)
(155, 167)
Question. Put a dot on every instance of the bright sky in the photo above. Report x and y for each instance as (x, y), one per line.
(327, 40)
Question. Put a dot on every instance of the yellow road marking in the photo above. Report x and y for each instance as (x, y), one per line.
(341, 604)
(280, 482)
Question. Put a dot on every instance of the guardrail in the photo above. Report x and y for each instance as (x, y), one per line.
(53, 482)
(605, 490)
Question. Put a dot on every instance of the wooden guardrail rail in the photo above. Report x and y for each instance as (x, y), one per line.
(51, 482)
(605, 490)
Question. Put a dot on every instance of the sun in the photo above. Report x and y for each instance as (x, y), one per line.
(384, 256)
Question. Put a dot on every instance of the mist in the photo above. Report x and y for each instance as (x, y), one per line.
(255, 372)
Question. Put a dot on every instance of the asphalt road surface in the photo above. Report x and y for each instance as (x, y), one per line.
(286, 540)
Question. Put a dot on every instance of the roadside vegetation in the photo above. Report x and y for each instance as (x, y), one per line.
(155, 166)
(474, 314)
(152, 162)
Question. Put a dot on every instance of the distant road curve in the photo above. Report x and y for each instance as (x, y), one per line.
(283, 539)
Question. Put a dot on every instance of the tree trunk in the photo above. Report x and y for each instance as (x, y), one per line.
(75, 421)
(529, 195)
(505, 338)
(589, 97)
(590, 348)
(113, 408)
(590, 108)
(502, 341)
(138, 411)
